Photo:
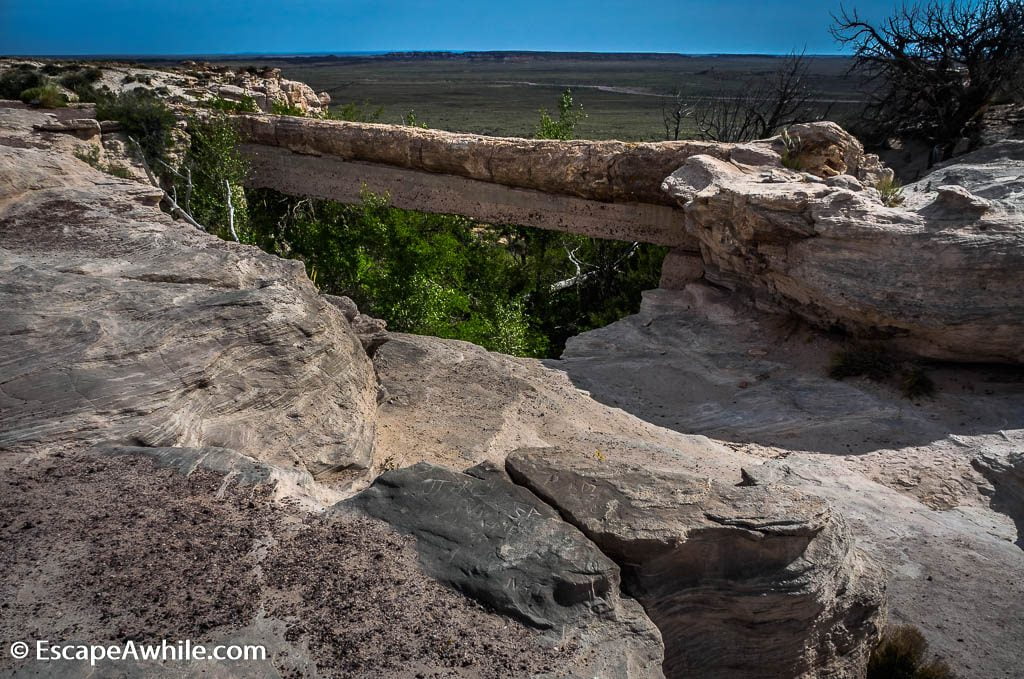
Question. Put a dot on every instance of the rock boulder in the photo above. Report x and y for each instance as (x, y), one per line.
(748, 580)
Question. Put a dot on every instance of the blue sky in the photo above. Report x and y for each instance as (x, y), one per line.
(297, 26)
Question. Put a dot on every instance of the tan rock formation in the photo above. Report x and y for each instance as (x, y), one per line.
(156, 334)
(939, 276)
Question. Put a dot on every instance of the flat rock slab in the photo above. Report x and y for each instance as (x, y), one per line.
(500, 544)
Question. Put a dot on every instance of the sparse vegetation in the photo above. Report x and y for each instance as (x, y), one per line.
(791, 149)
(18, 79)
(144, 117)
(411, 120)
(245, 105)
(863, 361)
(762, 107)
(569, 116)
(285, 109)
(903, 654)
(891, 191)
(82, 81)
(916, 384)
(357, 113)
(877, 364)
(92, 157)
(46, 96)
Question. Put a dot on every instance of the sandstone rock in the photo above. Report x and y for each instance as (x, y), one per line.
(348, 308)
(498, 543)
(1006, 473)
(122, 325)
(749, 581)
(700, 361)
(940, 278)
(372, 332)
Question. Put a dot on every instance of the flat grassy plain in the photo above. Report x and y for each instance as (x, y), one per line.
(502, 93)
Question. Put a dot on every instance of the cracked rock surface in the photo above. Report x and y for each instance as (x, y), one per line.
(742, 580)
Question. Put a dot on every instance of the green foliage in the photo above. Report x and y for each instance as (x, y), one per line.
(17, 79)
(450, 277)
(285, 109)
(357, 113)
(427, 274)
(213, 163)
(141, 78)
(901, 654)
(46, 96)
(82, 81)
(569, 115)
(410, 120)
(791, 149)
(246, 105)
(891, 191)
(144, 117)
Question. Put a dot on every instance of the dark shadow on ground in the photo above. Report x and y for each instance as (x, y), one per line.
(695, 362)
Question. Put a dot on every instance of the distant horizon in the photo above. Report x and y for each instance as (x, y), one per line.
(156, 28)
(396, 52)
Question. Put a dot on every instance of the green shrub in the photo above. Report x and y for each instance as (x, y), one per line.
(73, 79)
(902, 654)
(285, 109)
(916, 383)
(569, 115)
(212, 159)
(357, 113)
(410, 120)
(877, 364)
(144, 117)
(891, 191)
(246, 105)
(15, 80)
(792, 147)
(46, 96)
(92, 157)
(447, 276)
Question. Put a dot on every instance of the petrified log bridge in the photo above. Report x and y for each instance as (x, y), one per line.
(799, 229)
(607, 189)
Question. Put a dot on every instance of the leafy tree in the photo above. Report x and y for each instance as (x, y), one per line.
(937, 65)
(569, 115)
(428, 274)
(214, 169)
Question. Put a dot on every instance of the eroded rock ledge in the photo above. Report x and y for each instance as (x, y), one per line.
(939, 276)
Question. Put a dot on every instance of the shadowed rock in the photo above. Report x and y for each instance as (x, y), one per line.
(746, 580)
(500, 544)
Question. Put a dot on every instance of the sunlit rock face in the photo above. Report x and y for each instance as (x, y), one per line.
(122, 325)
(939, 275)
